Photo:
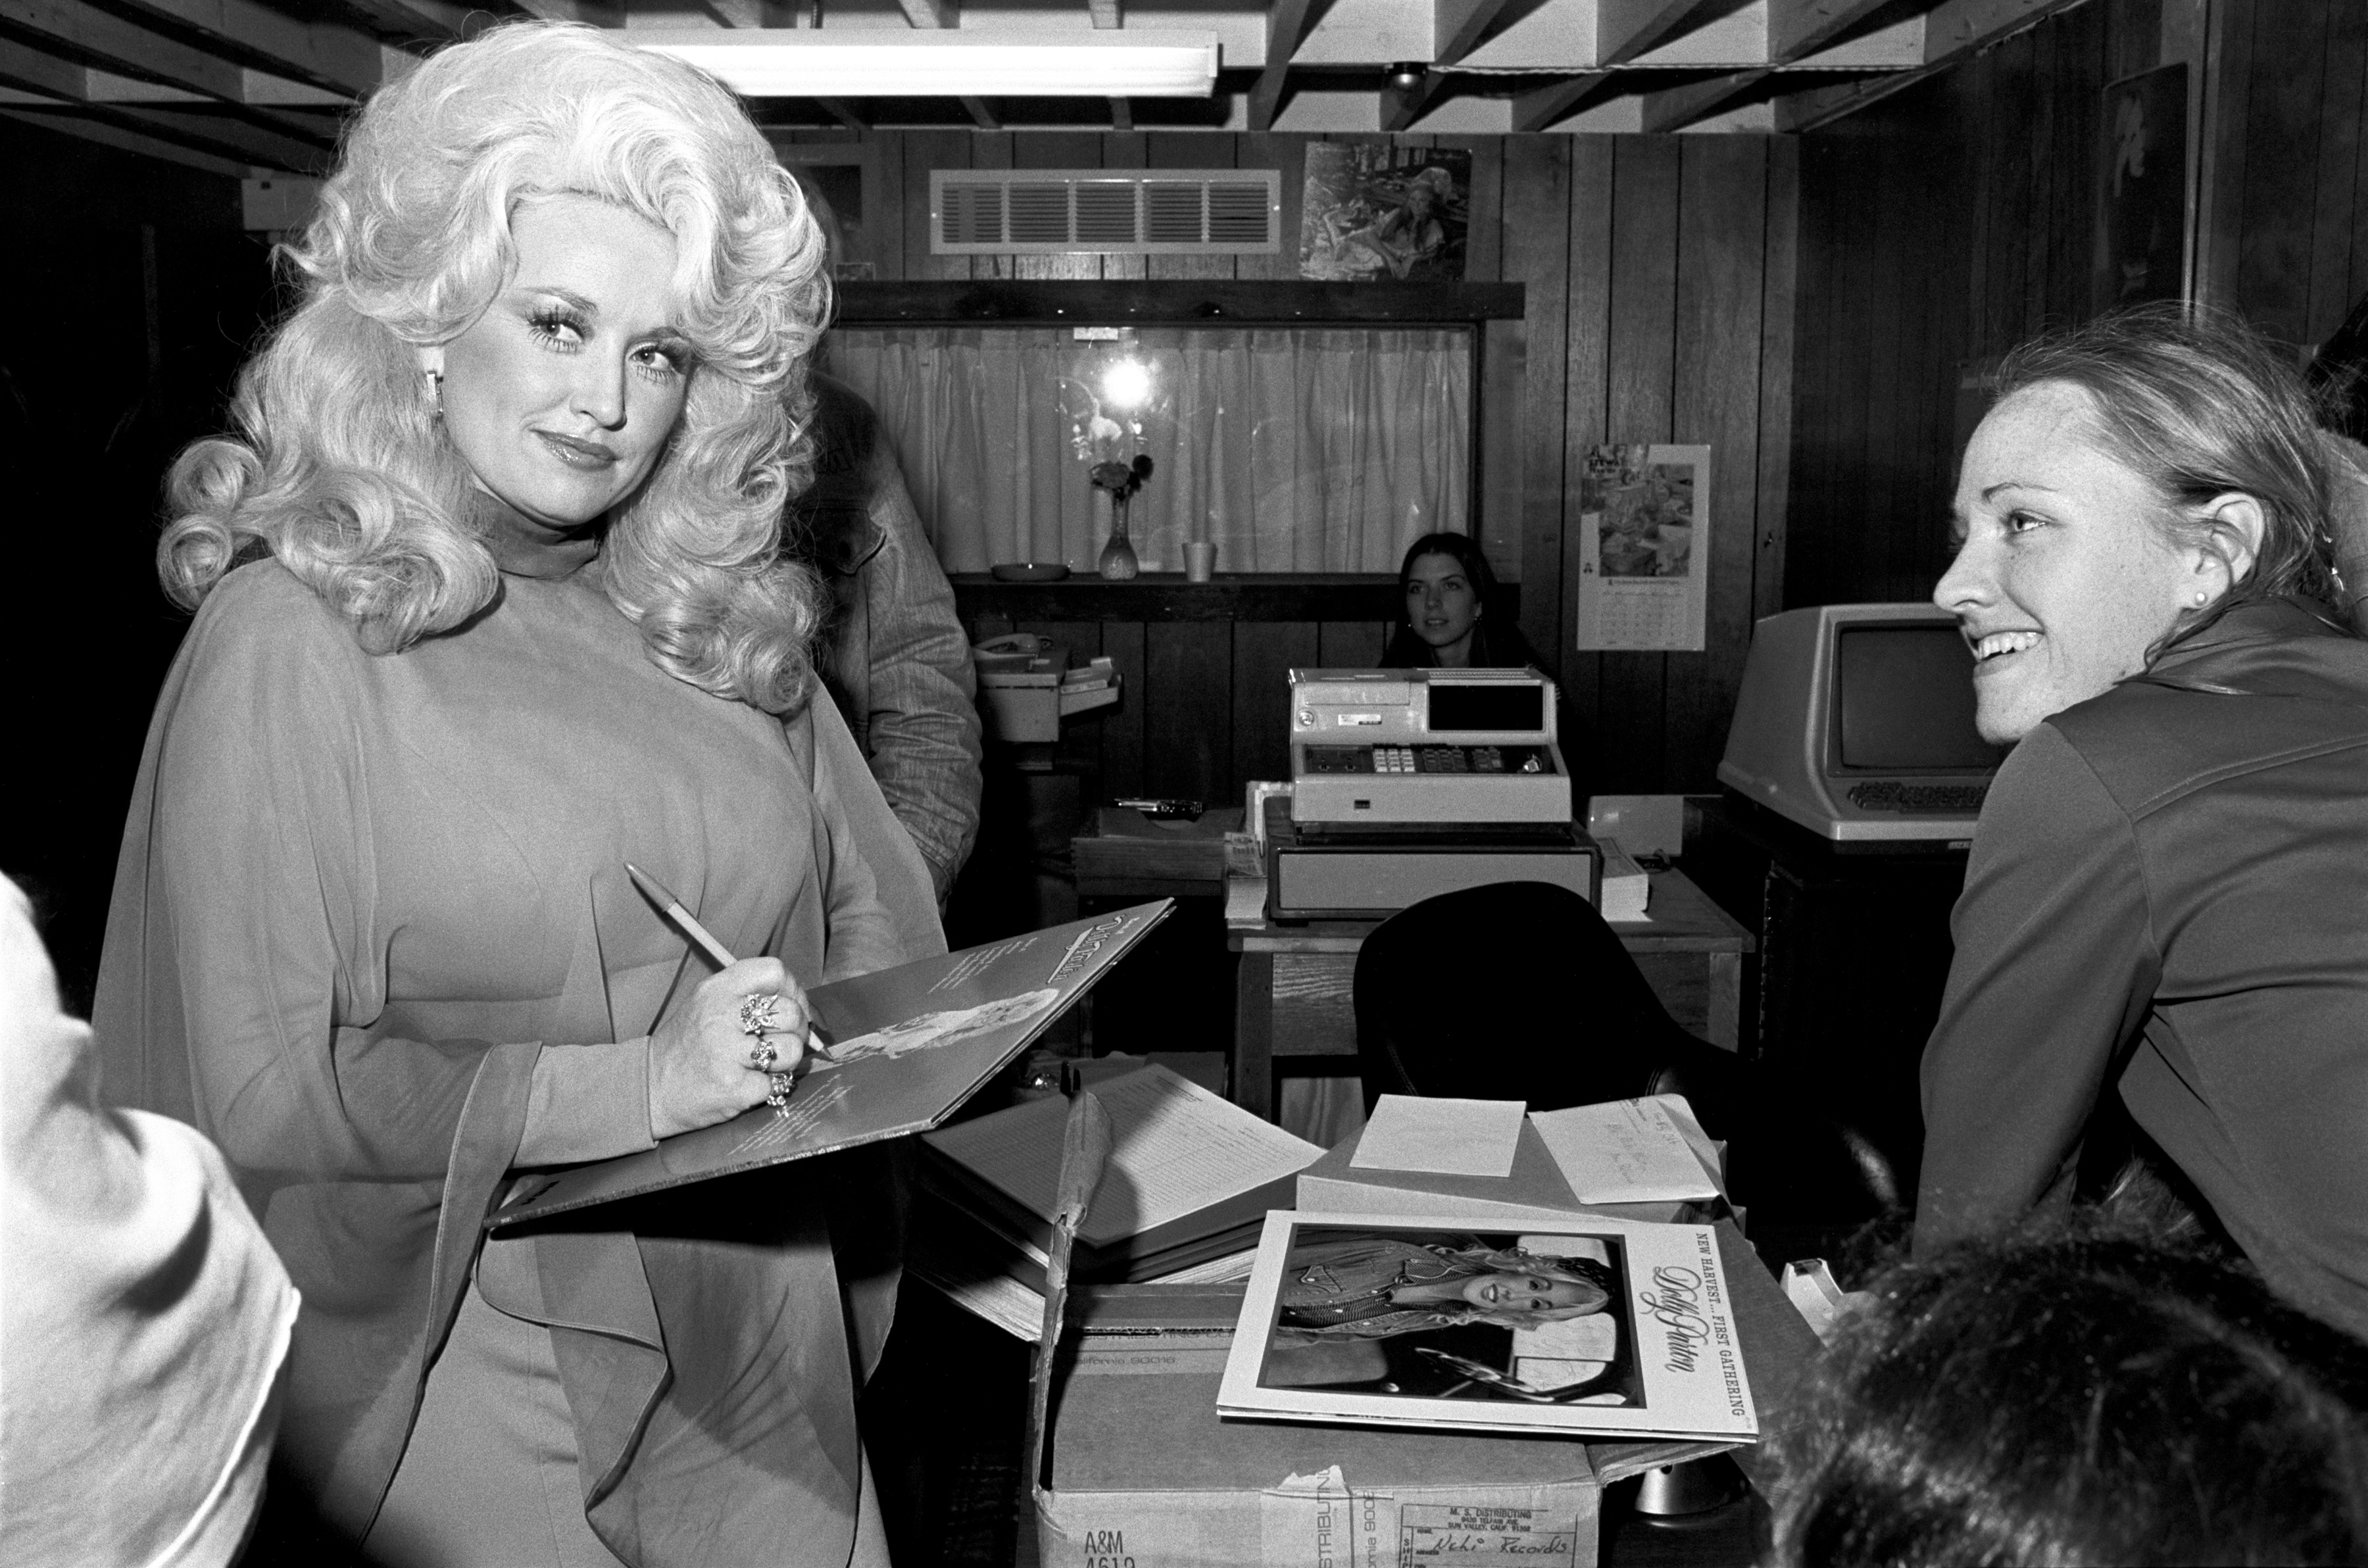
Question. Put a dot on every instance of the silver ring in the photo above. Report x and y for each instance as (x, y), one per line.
(776, 1093)
(762, 1055)
(757, 1015)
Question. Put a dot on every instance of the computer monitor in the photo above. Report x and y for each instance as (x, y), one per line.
(1857, 722)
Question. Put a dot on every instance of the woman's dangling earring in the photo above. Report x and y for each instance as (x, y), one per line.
(435, 394)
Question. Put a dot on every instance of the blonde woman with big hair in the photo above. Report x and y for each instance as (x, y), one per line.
(488, 602)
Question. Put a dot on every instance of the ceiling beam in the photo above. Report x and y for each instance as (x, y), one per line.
(1541, 106)
(322, 54)
(1673, 108)
(1105, 13)
(1459, 26)
(753, 13)
(982, 116)
(842, 111)
(1801, 27)
(101, 58)
(210, 130)
(124, 141)
(1626, 29)
(1287, 26)
(431, 21)
(1401, 107)
(1957, 28)
(1799, 112)
(932, 13)
(595, 13)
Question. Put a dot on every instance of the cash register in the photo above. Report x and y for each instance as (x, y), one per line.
(1409, 783)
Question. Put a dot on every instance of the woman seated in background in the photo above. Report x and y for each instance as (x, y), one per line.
(2168, 896)
(1453, 621)
(513, 470)
(1448, 593)
(2075, 1396)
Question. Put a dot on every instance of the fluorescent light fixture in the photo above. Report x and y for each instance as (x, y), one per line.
(800, 63)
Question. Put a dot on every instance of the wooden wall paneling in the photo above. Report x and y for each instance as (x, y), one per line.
(2133, 38)
(2281, 165)
(2227, 90)
(1187, 714)
(1057, 150)
(1849, 543)
(1287, 152)
(1264, 655)
(1819, 334)
(1642, 349)
(2357, 283)
(2011, 107)
(1586, 420)
(1535, 253)
(1484, 239)
(1778, 287)
(1126, 150)
(1351, 644)
(1122, 727)
(2075, 197)
(883, 203)
(1889, 307)
(1715, 397)
(2036, 231)
(2333, 215)
(1193, 150)
(924, 151)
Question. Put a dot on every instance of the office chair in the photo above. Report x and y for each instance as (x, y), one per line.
(1519, 991)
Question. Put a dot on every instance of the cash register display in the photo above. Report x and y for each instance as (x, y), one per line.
(1498, 706)
(1429, 758)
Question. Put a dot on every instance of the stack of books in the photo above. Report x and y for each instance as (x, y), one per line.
(1191, 1178)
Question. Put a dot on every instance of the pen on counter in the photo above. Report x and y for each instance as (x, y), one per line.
(688, 924)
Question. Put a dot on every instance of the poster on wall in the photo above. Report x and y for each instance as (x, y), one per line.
(2142, 220)
(1385, 211)
(1645, 548)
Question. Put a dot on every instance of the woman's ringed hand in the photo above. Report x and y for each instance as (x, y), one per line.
(703, 1059)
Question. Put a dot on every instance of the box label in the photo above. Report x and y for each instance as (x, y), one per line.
(1465, 1533)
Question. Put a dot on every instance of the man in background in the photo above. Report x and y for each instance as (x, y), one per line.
(894, 656)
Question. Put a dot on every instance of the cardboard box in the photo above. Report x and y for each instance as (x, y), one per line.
(1144, 1473)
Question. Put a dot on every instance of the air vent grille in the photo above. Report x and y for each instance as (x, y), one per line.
(1172, 211)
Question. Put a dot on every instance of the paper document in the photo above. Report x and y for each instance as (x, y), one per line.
(1178, 1149)
(1446, 1137)
(1625, 1151)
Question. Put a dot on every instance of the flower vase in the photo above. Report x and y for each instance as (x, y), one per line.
(1118, 562)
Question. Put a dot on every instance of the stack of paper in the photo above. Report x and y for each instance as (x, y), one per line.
(1627, 889)
(1191, 1177)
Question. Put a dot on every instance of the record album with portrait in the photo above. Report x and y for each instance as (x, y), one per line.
(905, 1047)
(1596, 1327)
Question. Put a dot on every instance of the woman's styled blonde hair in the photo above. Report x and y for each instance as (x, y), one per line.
(344, 473)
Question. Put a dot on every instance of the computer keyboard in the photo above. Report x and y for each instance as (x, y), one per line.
(1895, 795)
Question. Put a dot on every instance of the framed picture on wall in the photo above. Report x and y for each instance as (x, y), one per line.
(833, 179)
(1645, 548)
(2142, 199)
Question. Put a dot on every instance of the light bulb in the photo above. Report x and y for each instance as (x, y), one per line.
(1126, 384)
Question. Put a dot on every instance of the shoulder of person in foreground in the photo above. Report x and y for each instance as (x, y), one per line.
(2077, 1393)
(146, 1318)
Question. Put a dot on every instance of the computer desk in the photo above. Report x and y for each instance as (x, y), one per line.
(1292, 993)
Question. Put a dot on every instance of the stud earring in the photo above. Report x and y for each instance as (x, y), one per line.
(2201, 596)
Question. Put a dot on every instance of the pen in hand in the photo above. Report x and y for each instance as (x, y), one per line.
(704, 939)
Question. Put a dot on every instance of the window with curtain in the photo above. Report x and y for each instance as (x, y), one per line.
(1292, 448)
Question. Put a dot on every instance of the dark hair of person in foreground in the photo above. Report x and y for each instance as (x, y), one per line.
(2077, 1395)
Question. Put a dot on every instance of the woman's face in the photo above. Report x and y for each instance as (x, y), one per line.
(1442, 604)
(1529, 1292)
(2062, 580)
(562, 395)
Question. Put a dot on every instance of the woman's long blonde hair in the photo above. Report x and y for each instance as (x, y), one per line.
(343, 474)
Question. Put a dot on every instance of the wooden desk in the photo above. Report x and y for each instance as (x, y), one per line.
(1291, 994)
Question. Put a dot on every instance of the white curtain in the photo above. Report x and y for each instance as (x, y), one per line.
(1293, 449)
